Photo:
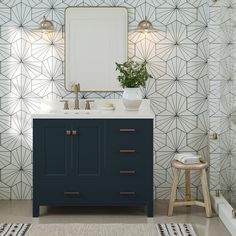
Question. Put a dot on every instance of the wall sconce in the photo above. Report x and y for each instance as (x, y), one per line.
(46, 26)
(145, 26)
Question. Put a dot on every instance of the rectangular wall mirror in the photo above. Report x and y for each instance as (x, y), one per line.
(95, 38)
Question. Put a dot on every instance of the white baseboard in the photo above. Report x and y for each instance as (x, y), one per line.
(224, 211)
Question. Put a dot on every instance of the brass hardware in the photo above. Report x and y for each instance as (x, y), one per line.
(127, 130)
(127, 150)
(76, 107)
(66, 105)
(127, 172)
(74, 132)
(71, 132)
(87, 104)
(76, 89)
(234, 213)
(71, 193)
(127, 193)
(217, 193)
(68, 132)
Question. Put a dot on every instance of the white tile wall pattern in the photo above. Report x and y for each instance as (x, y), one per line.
(31, 68)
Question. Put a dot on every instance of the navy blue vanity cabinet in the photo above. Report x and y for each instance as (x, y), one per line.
(93, 162)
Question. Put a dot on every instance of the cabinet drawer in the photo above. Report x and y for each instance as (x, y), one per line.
(127, 171)
(128, 130)
(128, 139)
(73, 194)
(128, 151)
(128, 193)
(94, 194)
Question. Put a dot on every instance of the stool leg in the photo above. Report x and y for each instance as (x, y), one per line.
(205, 191)
(173, 192)
(187, 186)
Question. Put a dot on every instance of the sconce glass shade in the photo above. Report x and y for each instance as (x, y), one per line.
(46, 26)
(145, 26)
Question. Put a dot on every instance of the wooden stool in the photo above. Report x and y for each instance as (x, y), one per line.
(188, 202)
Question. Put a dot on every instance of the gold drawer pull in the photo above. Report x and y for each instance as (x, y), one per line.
(127, 193)
(127, 130)
(127, 150)
(71, 193)
(128, 172)
(74, 132)
(68, 132)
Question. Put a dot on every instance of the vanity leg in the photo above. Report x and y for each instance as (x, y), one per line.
(150, 209)
(35, 210)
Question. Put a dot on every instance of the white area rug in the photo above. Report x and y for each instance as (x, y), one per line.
(111, 230)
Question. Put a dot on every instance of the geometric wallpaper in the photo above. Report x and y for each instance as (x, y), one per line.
(32, 68)
(222, 100)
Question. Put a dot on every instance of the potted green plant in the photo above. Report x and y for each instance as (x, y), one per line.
(132, 76)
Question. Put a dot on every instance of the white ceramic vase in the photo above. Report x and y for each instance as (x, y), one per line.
(132, 98)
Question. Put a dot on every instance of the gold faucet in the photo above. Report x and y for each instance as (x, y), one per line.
(76, 89)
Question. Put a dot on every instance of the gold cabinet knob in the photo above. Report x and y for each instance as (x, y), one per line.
(74, 132)
(68, 132)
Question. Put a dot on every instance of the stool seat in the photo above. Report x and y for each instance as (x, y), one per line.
(188, 201)
(180, 165)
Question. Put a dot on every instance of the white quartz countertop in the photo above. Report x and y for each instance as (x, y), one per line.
(96, 114)
(119, 112)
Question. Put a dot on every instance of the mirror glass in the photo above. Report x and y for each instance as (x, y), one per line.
(95, 38)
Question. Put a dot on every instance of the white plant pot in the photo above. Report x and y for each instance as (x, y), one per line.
(132, 98)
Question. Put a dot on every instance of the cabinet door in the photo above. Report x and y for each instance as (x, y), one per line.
(52, 149)
(87, 149)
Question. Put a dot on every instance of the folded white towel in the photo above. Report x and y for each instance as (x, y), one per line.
(187, 158)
